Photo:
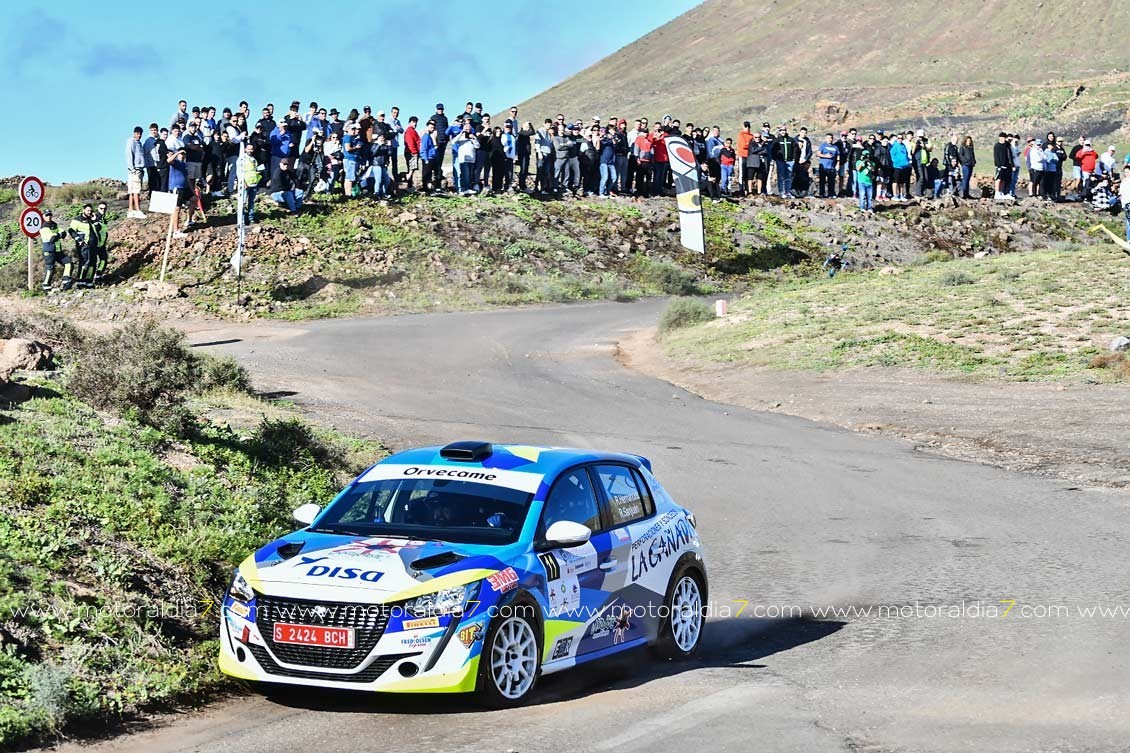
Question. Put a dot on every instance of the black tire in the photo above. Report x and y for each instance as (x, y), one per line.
(491, 691)
(667, 646)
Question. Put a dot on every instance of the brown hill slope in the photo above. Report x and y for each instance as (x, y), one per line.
(962, 60)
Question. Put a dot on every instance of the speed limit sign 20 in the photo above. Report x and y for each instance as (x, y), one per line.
(31, 222)
(31, 191)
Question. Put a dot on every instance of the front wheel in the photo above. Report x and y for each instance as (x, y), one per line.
(510, 662)
(681, 631)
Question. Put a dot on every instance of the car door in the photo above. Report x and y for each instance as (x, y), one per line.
(573, 578)
(629, 511)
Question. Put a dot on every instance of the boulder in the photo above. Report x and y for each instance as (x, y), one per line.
(20, 354)
(890, 271)
(158, 291)
(1120, 344)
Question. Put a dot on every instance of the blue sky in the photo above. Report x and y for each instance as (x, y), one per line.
(85, 73)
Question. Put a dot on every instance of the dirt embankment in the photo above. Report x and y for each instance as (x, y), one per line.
(1078, 433)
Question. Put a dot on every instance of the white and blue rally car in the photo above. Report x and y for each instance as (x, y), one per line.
(470, 567)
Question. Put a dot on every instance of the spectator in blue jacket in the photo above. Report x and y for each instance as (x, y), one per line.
(431, 157)
(900, 166)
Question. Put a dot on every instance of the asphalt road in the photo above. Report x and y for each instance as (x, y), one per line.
(793, 514)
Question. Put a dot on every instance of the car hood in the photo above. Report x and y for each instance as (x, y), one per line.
(316, 566)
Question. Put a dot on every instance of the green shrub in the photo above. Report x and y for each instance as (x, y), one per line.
(224, 373)
(938, 255)
(684, 312)
(954, 277)
(664, 277)
(291, 443)
(141, 371)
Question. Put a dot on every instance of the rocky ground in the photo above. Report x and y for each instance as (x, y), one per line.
(424, 253)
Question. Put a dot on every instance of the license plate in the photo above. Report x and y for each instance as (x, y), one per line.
(314, 635)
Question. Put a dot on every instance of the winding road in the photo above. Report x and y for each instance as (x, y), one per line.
(924, 554)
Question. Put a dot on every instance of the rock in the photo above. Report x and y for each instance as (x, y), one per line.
(21, 354)
(158, 291)
(980, 254)
(1120, 344)
(406, 217)
(360, 222)
(890, 271)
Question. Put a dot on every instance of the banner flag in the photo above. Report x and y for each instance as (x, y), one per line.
(687, 195)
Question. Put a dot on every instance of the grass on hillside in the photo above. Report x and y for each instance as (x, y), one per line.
(119, 537)
(1044, 315)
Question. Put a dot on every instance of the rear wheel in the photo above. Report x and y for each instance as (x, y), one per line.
(680, 634)
(510, 660)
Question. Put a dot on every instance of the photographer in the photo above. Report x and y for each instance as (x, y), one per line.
(312, 161)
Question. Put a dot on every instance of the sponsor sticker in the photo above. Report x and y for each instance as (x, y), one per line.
(521, 480)
(344, 573)
(561, 648)
(470, 634)
(418, 641)
(424, 622)
(622, 535)
(503, 580)
(240, 608)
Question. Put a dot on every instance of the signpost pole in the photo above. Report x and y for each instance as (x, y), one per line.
(32, 192)
(168, 243)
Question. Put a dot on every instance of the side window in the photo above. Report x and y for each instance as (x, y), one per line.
(625, 501)
(572, 498)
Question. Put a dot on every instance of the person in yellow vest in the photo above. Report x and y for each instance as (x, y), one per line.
(53, 252)
(85, 236)
(249, 174)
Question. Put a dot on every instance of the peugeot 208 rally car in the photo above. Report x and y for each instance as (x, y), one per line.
(470, 567)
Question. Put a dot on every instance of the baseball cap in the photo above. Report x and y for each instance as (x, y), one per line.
(880, 132)
(439, 105)
(46, 212)
(333, 111)
(1111, 149)
(380, 112)
(1087, 142)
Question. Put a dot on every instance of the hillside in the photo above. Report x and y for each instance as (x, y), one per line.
(426, 253)
(964, 62)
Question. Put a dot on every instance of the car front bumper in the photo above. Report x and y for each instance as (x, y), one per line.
(435, 655)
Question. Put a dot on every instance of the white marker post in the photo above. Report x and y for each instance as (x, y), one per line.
(31, 221)
(161, 202)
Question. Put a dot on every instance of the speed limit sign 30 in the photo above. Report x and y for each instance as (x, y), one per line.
(31, 222)
(31, 191)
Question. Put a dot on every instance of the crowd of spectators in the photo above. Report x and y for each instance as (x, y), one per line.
(204, 153)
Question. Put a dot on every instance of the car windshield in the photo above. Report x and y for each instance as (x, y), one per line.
(429, 508)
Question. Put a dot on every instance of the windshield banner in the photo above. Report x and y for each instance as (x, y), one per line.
(520, 480)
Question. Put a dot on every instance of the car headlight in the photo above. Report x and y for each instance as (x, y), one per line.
(239, 589)
(448, 601)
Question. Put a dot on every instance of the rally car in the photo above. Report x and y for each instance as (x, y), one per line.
(470, 567)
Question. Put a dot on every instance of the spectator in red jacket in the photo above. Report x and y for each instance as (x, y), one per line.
(661, 166)
(411, 151)
(1087, 158)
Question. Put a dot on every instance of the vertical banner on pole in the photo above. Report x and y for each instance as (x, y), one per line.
(687, 196)
(164, 202)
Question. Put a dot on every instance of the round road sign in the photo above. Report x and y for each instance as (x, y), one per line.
(31, 222)
(31, 191)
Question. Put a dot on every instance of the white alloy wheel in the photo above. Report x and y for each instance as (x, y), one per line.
(686, 614)
(514, 658)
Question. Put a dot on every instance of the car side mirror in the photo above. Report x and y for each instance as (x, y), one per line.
(307, 513)
(566, 533)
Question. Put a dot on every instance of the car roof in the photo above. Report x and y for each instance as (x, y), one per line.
(546, 461)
